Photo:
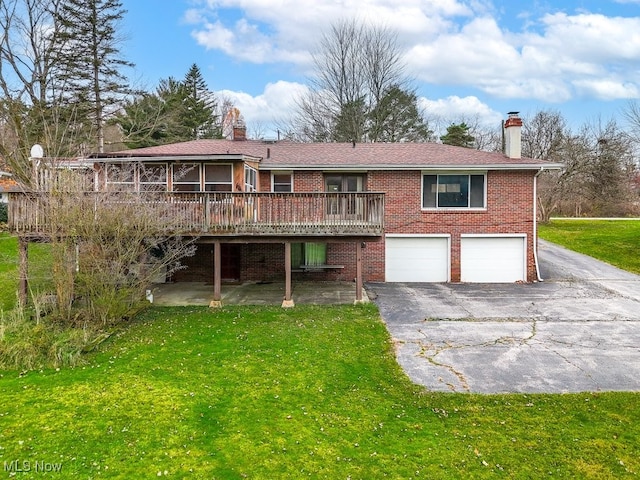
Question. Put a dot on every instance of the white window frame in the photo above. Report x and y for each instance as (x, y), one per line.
(282, 173)
(454, 208)
(164, 184)
(130, 184)
(175, 169)
(203, 177)
(250, 179)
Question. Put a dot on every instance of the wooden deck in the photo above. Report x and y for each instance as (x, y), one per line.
(214, 214)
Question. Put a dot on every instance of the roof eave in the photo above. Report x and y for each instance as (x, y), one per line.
(176, 158)
(465, 167)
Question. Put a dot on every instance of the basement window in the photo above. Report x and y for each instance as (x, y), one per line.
(308, 254)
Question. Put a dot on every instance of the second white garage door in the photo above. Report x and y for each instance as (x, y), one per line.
(417, 259)
(492, 259)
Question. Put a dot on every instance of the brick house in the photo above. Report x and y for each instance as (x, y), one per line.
(395, 212)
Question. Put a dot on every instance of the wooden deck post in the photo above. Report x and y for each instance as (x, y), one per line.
(217, 276)
(359, 272)
(288, 301)
(23, 274)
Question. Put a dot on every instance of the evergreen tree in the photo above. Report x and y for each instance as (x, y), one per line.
(178, 111)
(349, 125)
(458, 135)
(91, 67)
(396, 118)
(199, 107)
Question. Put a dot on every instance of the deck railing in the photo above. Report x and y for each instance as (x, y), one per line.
(215, 213)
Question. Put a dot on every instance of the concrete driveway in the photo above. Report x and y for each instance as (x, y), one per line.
(579, 330)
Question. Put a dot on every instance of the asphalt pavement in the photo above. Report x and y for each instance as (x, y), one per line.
(578, 330)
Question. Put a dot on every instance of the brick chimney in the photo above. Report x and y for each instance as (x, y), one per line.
(239, 132)
(513, 136)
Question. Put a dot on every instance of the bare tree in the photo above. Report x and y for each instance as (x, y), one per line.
(609, 170)
(107, 246)
(29, 111)
(356, 66)
(599, 167)
(632, 114)
(543, 135)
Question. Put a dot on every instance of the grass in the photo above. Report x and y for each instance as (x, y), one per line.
(38, 255)
(312, 392)
(271, 393)
(615, 242)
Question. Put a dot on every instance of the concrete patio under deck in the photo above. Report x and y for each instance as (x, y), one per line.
(252, 293)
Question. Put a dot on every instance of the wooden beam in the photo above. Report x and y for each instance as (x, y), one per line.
(23, 274)
(217, 276)
(288, 301)
(359, 272)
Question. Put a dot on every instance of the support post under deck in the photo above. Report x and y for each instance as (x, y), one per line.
(288, 301)
(217, 276)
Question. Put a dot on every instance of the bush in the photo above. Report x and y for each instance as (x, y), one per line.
(29, 342)
(4, 214)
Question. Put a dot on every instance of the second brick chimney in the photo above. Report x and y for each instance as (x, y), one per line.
(513, 136)
(239, 132)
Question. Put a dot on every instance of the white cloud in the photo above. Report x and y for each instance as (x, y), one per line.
(555, 58)
(263, 31)
(276, 104)
(607, 89)
(454, 109)
(570, 51)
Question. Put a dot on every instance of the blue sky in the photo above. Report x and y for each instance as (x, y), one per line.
(471, 59)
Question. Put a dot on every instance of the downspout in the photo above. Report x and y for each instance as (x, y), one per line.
(535, 223)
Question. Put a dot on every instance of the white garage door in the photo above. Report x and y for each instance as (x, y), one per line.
(492, 259)
(417, 259)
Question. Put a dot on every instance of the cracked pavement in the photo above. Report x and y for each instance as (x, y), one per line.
(578, 330)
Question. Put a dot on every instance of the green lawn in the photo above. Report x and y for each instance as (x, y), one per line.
(38, 264)
(309, 392)
(8, 271)
(270, 393)
(614, 241)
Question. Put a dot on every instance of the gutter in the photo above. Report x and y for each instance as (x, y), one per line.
(409, 167)
(535, 223)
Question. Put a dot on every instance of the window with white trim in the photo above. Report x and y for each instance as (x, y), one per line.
(250, 179)
(282, 182)
(186, 177)
(120, 176)
(218, 178)
(454, 191)
(152, 178)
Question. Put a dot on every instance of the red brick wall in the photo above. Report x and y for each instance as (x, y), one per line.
(264, 262)
(509, 211)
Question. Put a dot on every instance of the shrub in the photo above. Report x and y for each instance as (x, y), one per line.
(29, 342)
(4, 215)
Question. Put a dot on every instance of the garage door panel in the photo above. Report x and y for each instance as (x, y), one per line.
(492, 259)
(417, 259)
